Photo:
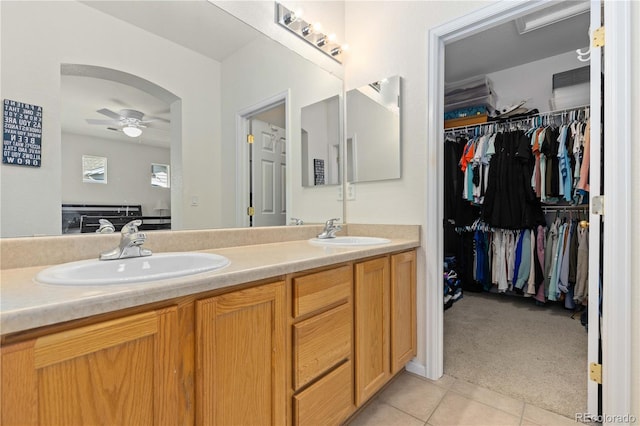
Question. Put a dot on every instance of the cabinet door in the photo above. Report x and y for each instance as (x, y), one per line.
(328, 401)
(403, 309)
(116, 372)
(240, 357)
(371, 327)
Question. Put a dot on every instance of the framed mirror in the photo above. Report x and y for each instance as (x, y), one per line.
(373, 131)
(320, 140)
(94, 169)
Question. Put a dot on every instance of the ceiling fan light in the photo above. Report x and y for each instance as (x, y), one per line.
(132, 131)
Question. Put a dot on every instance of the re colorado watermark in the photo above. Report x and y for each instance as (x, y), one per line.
(604, 418)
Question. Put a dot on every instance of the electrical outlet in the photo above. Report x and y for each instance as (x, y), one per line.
(340, 195)
(351, 191)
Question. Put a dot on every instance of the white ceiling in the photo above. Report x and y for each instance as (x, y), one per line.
(195, 24)
(501, 47)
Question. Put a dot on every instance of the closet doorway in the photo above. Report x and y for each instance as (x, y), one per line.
(449, 33)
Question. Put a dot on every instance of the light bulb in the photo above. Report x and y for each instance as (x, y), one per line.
(132, 131)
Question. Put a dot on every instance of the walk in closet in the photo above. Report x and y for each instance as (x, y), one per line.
(516, 191)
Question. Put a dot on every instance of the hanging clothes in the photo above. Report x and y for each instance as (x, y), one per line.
(498, 180)
(510, 202)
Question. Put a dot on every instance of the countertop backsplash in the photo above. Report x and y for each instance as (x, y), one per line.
(40, 251)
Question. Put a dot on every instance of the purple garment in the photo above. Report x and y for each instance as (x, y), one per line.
(540, 245)
(540, 253)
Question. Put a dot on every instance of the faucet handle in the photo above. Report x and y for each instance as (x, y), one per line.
(105, 227)
(330, 221)
(131, 227)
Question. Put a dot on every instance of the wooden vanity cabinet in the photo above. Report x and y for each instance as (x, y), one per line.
(240, 357)
(120, 371)
(321, 349)
(385, 316)
(306, 350)
(403, 309)
(371, 295)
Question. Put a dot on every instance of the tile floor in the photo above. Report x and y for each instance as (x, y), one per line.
(411, 400)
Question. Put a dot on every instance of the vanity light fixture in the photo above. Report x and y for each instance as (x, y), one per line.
(311, 33)
(132, 131)
(291, 17)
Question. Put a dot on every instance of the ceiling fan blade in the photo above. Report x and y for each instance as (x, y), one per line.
(100, 122)
(109, 113)
(156, 118)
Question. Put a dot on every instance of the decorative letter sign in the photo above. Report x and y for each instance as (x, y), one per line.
(22, 134)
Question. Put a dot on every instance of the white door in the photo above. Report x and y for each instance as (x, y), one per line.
(268, 175)
(595, 225)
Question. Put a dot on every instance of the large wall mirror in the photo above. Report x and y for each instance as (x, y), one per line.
(373, 131)
(174, 79)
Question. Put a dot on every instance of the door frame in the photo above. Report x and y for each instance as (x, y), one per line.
(243, 118)
(616, 325)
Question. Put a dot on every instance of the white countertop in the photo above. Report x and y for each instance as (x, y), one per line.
(27, 304)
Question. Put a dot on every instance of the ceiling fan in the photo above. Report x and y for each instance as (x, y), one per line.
(129, 121)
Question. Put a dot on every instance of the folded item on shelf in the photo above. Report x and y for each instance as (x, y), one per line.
(466, 112)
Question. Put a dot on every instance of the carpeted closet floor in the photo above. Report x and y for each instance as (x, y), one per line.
(511, 346)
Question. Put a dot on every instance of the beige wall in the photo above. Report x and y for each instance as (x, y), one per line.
(389, 38)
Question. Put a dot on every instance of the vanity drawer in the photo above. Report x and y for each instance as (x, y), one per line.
(320, 343)
(315, 291)
(327, 402)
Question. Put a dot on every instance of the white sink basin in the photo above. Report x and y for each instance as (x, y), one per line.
(132, 270)
(349, 241)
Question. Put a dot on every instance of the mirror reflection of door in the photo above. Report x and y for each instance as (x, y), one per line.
(268, 173)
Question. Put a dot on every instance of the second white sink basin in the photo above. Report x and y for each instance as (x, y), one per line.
(132, 270)
(349, 241)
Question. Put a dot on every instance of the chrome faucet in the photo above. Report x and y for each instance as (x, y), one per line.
(106, 227)
(296, 221)
(130, 243)
(330, 229)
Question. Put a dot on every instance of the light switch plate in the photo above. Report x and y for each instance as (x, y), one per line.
(351, 191)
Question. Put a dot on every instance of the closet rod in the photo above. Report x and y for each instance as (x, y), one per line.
(514, 120)
(571, 207)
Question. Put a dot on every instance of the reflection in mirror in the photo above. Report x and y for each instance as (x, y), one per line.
(94, 169)
(160, 176)
(321, 143)
(373, 131)
(194, 50)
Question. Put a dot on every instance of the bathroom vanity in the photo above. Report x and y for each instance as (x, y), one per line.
(289, 333)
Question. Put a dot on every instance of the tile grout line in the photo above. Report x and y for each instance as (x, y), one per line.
(487, 405)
